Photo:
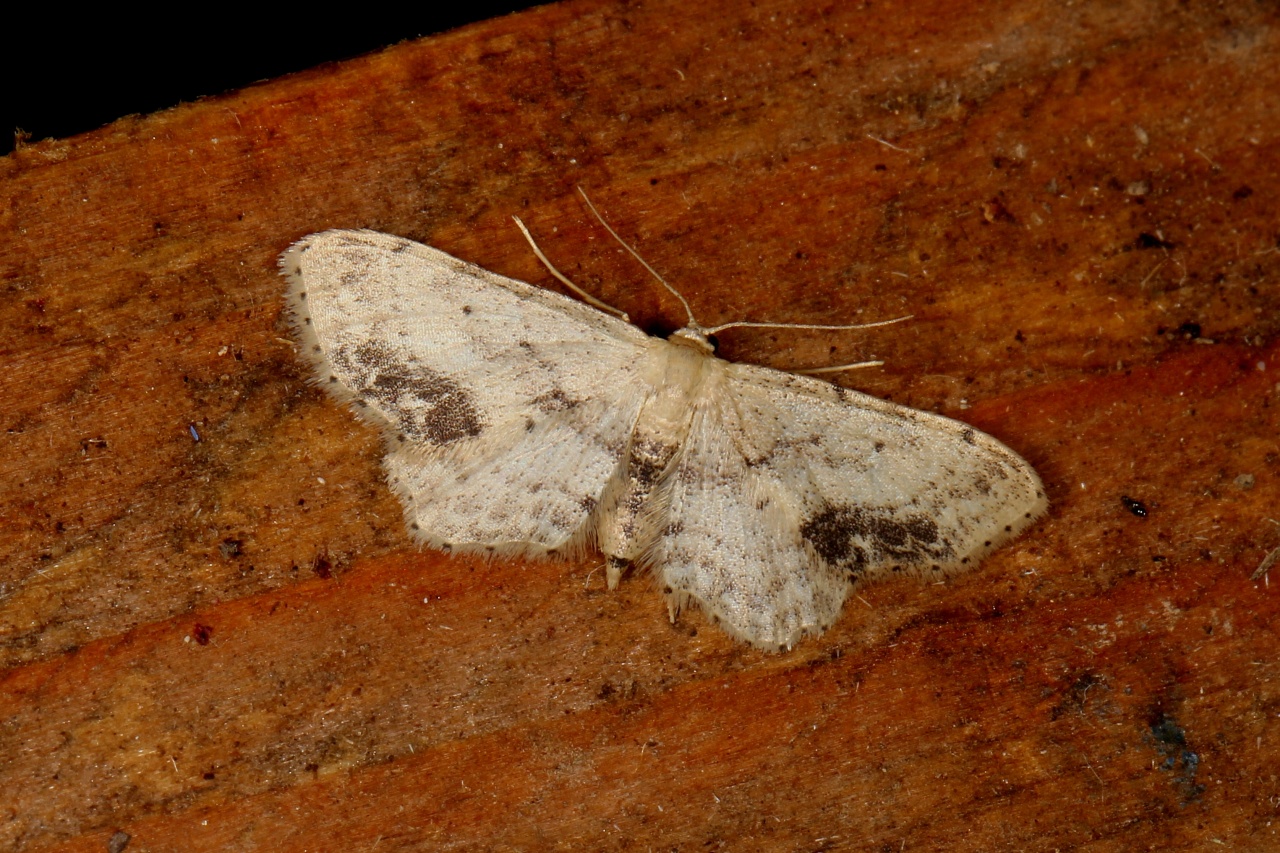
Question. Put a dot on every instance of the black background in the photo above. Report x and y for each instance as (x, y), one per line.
(66, 74)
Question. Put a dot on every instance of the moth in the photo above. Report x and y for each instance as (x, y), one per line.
(518, 421)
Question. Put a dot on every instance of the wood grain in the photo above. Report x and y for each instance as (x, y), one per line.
(216, 635)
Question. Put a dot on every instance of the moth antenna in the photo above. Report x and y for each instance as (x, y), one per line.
(740, 323)
(811, 371)
(586, 297)
(814, 371)
(693, 323)
(749, 324)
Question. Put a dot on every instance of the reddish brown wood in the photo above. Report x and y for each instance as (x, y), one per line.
(230, 644)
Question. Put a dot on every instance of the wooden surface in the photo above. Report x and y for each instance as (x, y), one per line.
(230, 644)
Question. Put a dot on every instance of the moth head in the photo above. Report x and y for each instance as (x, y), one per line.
(694, 338)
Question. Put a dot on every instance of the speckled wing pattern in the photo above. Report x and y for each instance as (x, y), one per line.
(790, 490)
(500, 433)
(519, 421)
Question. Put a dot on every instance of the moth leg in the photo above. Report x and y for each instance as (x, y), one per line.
(615, 568)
